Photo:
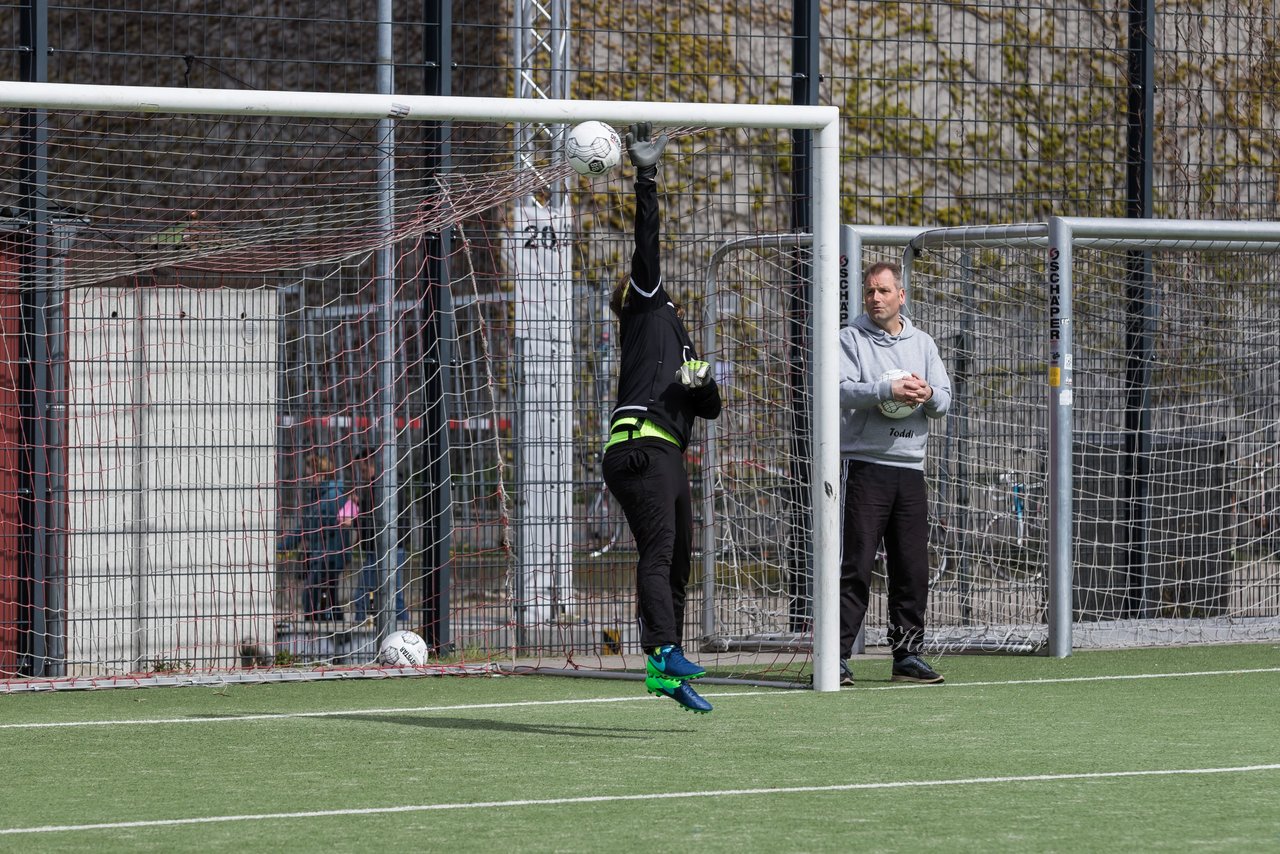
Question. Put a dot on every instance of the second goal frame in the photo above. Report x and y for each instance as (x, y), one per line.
(1061, 238)
(1106, 475)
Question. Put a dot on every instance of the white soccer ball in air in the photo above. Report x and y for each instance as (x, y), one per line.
(403, 649)
(592, 148)
(894, 408)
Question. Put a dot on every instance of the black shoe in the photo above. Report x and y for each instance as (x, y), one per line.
(846, 675)
(912, 669)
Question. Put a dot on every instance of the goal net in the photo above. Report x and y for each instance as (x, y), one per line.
(289, 371)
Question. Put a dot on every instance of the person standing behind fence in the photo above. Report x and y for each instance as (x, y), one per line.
(662, 387)
(882, 468)
(369, 525)
(322, 539)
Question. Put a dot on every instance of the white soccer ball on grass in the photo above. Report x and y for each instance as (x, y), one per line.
(403, 649)
(592, 148)
(895, 408)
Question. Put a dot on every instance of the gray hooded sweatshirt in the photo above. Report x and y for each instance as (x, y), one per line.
(866, 353)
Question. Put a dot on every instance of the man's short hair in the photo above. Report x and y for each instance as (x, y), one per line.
(880, 267)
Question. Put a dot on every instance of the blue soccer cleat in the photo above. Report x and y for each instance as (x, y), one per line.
(681, 692)
(668, 662)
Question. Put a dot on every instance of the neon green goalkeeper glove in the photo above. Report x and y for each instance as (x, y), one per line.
(694, 373)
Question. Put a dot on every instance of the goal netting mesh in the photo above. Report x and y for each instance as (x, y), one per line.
(258, 417)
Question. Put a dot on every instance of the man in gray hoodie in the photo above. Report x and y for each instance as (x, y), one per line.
(892, 383)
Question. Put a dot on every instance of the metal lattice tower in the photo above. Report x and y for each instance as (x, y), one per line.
(541, 67)
(543, 275)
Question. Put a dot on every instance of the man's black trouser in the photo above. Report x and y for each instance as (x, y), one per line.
(891, 504)
(648, 479)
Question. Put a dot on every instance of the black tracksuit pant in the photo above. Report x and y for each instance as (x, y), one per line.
(889, 503)
(648, 478)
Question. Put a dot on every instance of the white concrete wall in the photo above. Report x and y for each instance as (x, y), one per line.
(171, 477)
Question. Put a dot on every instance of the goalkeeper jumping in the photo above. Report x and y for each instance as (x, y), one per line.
(662, 387)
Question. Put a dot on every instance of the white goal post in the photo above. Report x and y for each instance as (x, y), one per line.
(301, 237)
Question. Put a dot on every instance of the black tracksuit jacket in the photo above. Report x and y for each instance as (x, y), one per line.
(647, 474)
(654, 343)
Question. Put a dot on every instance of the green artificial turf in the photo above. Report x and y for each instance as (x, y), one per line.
(1164, 743)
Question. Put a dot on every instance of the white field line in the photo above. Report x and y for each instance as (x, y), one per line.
(628, 699)
(651, 796)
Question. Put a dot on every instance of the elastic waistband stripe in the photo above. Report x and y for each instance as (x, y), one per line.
(625, 429)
